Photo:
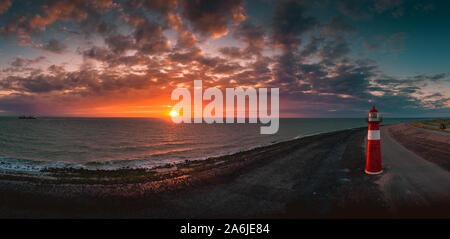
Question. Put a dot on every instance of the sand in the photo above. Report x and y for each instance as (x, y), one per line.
(430, 145)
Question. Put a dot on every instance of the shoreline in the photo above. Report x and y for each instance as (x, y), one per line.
(171, 164)
(166, 176)
(199, 184)
(29, 166)
(162, 178)
(68, 174)
(320, 176)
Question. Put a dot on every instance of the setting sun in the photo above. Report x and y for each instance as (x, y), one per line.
(173, 113)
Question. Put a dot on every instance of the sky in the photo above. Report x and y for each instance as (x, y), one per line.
(105, 58)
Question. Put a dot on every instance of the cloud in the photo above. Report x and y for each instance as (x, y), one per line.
(49, 13)
(137, 50)
(120, 43)
(66, 10)
(285, 70)
(359, 10)
(354, 8)
(211, 18)
(149, 38)
(313, 46)
(55, 46)
(4, 6)
(161, 6)
(21, 62)
(335, 49)
(232, 52)
(289, 24)
(251, 35)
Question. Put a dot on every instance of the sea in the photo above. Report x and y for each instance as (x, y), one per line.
(30, 145)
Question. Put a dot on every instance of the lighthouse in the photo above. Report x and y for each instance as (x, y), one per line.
(373, 161)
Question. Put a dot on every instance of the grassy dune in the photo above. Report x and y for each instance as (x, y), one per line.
(433, 124)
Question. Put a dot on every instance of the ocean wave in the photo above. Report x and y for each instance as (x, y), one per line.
(31, 166)
(147, 161)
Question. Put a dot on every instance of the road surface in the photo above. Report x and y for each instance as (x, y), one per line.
(412, 186)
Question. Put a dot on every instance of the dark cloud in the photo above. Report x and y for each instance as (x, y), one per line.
(232, 52)
(285, 70)
(186, 40)
(33, 84)
(161, 6)
(251, 35)
(55, 69)
(94, 24)
(55, 46)
(212, 17)
(98, 53)
(381, 6)
(21, 62)
(4, 6)
(63, 10)
(149, 38)
(409, 89)
(255, 73)
(432, 77)
(335, 49)
(354, 8)
(433, 95)
(185, 57)
(226, 68)
(119, 43)
(347, 79)
(364, 9)
(49, 13)
(313, 46)
(83, 82)
(290, 23)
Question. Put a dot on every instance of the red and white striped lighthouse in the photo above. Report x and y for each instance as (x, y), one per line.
(373, 161)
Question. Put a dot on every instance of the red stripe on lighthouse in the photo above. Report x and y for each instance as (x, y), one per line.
(373, 157)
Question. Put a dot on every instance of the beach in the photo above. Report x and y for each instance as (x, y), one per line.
(320, 176)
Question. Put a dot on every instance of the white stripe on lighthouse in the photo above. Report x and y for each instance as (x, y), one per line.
(373, 135)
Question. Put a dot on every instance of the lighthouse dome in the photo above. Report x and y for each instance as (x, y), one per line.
(373, 109)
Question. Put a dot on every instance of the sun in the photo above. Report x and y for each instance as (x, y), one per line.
(173, 113)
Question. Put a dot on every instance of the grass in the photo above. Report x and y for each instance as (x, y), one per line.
(433, 124)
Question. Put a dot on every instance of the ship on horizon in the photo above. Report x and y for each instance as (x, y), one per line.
(27, 117)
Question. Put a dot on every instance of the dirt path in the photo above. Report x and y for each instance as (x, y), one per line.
(413, 186)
